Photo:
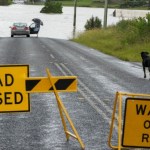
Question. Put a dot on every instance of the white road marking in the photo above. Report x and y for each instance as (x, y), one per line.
(52, 56)
(87, 98)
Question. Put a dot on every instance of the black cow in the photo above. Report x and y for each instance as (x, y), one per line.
(145, 62)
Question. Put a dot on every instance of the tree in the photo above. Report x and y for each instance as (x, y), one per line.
(5, 2)
(52, 7)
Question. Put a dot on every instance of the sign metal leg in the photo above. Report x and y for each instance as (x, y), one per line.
(62, 110)
(118, 101)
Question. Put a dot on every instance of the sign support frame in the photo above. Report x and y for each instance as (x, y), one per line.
(63, 112)
(118, 101)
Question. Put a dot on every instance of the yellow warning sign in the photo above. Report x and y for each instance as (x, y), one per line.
(15, 85)
(136, 129)
(13, 95)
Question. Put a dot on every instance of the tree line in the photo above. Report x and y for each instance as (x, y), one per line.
(135, 3)
(8, 2)
(123, 3)
(5, 2)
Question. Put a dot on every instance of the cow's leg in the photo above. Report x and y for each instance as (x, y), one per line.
(144, 70)
(149, 72)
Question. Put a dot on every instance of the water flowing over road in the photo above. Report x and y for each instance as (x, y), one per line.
(55, 25)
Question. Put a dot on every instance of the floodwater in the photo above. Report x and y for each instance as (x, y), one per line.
(58, 26)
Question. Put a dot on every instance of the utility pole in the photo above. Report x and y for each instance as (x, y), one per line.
(75, 9)
(74, 18)
(105, 13)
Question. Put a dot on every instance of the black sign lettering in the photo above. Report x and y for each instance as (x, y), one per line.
(1, 101)
(140, 109)
(18, 97)
(1, 84)
(145, 137)
(9, 80)
(7, 97)
(147, 124)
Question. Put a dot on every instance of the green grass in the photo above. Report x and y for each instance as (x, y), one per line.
(88, 3)
(81, 3)
(109, 41)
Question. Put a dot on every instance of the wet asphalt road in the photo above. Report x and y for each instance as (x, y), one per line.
(99, 78)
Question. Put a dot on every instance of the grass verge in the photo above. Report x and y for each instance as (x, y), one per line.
(109, 41)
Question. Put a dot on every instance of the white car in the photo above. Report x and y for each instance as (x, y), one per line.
(20, 28)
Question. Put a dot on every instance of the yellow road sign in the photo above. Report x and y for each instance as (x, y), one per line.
(15, 86)
(13, 95)
(136, 129)
(41, 84)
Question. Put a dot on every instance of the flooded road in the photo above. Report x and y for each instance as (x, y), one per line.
(55, 25)
(99, 77)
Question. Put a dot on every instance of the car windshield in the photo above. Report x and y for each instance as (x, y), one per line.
(20, 24)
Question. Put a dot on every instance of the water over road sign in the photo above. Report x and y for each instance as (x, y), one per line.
(136, 130)
(13, 95)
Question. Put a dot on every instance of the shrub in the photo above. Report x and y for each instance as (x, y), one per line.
(135, 29)
(93, 23)
(52, 7)
(131, 36)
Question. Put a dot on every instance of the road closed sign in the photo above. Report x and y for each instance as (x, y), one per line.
(136, 127)
(13, 95)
